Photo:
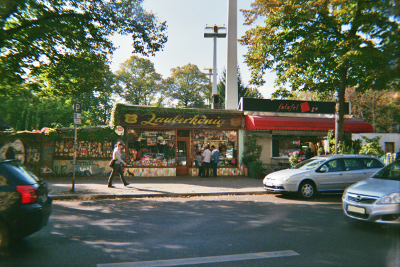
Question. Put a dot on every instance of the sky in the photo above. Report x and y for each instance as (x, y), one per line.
(186, 20)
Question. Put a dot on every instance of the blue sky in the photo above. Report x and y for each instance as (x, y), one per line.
(186, 20)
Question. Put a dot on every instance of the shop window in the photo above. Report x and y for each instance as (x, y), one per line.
(225, 141)
(154, 148)
(286, 147)
(283, 146)
(64, 148)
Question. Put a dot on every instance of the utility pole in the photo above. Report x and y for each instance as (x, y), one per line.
(208, 74)
(215, 34)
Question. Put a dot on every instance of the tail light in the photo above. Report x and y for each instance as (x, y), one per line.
(28, 193)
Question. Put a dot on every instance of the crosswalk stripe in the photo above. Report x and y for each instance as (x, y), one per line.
(203, 260)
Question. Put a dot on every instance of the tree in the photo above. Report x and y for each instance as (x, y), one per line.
(138, 80)
(70, 75)
(29, 111)
(312, 96)
(62, 37)
(380, 108)
(243, 91)
(325, 46)
(188, 85)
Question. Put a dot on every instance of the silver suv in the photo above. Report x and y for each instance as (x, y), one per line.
(327, 173)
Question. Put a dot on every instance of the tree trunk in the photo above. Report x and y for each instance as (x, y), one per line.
(339, 116)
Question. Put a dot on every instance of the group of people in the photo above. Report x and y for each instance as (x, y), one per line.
(207, 158)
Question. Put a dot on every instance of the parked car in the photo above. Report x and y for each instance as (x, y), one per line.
(326, 173)
(25, 206)
(376, 199)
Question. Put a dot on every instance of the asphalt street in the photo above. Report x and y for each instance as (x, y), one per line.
(225, 230)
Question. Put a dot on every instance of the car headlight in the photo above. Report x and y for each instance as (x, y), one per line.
(393, 198)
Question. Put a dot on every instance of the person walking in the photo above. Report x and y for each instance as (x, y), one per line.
(206, 162)
(117, 168)
(215, 159)
(199, 162)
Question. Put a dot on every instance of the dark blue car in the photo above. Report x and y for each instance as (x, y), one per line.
(24, 203)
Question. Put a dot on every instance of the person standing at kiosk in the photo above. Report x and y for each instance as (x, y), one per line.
(206, 162)
(215, 159)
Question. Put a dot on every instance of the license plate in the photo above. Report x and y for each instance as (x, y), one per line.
(355, 209)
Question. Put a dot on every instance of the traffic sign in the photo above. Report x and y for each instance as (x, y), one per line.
(77, 107)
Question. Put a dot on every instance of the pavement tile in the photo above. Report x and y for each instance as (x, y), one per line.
(96, 187)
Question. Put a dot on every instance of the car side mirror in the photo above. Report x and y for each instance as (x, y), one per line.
(323, 169)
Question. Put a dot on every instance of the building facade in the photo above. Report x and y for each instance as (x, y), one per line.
(286, 126)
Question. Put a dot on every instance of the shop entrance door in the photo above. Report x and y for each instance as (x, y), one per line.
(183, 156)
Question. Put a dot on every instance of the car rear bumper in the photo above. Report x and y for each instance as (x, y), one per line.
(31, 218)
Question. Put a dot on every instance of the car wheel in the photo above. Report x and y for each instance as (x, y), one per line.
(4, 235)
(307, 189)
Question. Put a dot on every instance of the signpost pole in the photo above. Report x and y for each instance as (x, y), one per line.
(77, 120)
(73, 175)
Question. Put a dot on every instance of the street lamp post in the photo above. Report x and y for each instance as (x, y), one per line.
(209, 74)
(215, 34)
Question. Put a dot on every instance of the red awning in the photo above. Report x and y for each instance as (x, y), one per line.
(304, 124)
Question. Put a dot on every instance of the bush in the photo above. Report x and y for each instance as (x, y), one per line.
(294, 158)
(252, 151)
(372, 147)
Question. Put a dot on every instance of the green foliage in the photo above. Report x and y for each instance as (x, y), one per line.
(71, 75)
(138, 81)
(188, 85)
(259, 168)
(98, 135)
(381, 109)
(252, 151)
(64, 40)
(294, 158)
(348, 146)
(372, 146)
(243, 91)
(55, 112)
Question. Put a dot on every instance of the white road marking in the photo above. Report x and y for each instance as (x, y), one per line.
(203, 260)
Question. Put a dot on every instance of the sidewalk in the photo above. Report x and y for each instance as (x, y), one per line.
(179, 186)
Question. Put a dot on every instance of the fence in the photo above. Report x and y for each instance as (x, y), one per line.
(389, 158)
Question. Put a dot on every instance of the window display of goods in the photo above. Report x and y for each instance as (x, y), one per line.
(84, 149)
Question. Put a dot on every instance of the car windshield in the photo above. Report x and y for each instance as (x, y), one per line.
(390, 172)
(16, 172)
(309, 164)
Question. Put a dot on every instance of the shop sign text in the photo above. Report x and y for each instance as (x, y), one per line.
(185, 120)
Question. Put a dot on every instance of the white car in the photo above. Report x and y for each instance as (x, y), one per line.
(328, 173)
(376, 199)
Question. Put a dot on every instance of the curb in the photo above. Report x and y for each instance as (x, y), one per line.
(113, 196)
